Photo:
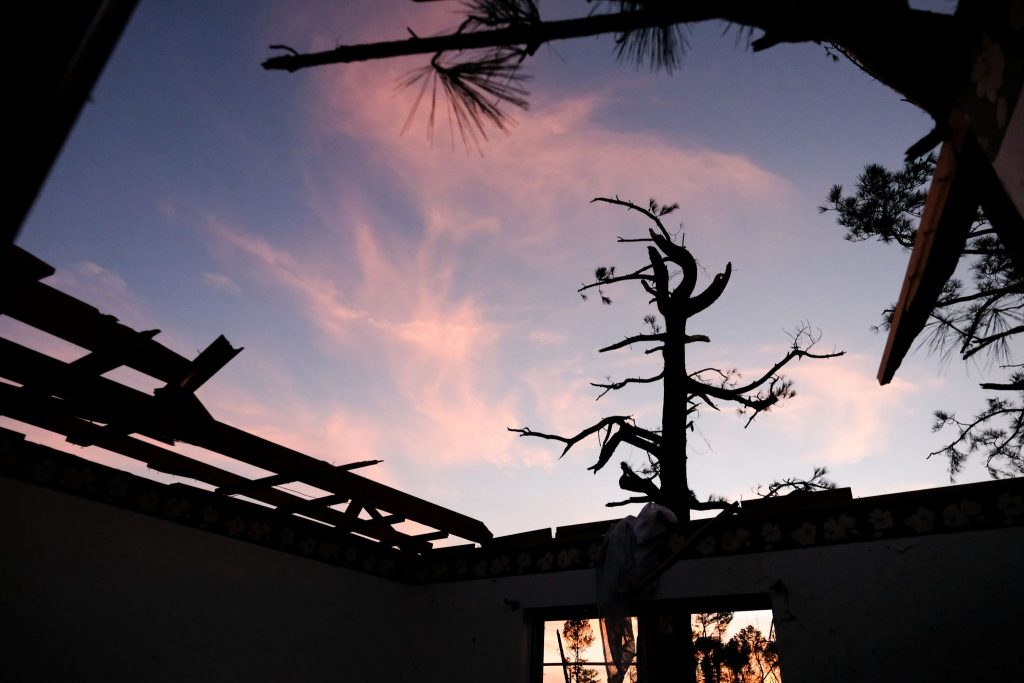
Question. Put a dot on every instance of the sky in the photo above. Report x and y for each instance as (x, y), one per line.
(408, 300)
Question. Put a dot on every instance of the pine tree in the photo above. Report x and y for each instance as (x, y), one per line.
(979, 319)
(579, 635)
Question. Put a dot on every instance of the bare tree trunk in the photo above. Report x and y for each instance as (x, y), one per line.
(665, 651)
(674, 486)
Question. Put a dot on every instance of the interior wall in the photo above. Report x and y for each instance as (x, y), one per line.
(89, 592)
(940, 607)
(944, 607)
(97, 593)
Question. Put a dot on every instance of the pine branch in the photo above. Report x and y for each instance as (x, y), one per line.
(817, 482)
(600, 282)
(571, 441)
(615, 386)
(633, 207)
(731, 394)
(980, 344)
(996, 386)
(529, 34)
(1017, 288)
(637, 339)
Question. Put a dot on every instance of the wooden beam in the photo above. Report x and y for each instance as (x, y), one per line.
(204, 366)
(19, 265)
(949, 211)
(101, 399)
(301, 505)
(100, 362)
(52, 311)
(48, 413)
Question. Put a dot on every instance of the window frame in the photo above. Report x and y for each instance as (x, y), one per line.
(645, 611)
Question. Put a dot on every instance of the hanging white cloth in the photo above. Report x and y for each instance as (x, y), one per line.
(630, 554)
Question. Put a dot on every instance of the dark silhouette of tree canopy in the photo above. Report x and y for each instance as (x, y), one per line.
(747, 657)
(977, 320)
(579, 635)
(818, 481)
(921, 55)
(670, 278)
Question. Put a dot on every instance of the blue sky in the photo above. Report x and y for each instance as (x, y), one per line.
(408, 301)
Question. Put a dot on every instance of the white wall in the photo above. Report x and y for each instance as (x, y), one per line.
(91, 592)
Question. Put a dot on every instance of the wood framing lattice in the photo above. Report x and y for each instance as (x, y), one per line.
(75, 400)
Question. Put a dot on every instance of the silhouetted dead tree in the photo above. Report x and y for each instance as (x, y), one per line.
(670, 278)
(919, 54)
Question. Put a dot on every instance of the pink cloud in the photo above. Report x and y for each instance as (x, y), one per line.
(320, 292)
(106, 290)
(406, 296)
(840, 410)
(532, 186)
(431, 348)
(545, 338)
(37, 340)
(330, 432)
(222, 282)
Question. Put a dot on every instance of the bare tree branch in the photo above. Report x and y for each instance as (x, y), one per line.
(613, 386)
(633, 207)
(636, 339)
(683, 393)
(635, 275)
(639, 338)
(731, 393)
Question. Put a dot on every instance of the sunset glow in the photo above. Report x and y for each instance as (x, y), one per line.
(408, 301)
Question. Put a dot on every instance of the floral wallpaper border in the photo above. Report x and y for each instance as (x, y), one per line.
(969, 507)
(190, 506)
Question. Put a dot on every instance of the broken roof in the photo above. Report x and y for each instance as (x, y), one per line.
(75, 400)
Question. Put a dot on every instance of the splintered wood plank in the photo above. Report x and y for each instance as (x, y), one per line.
(949, 210)
(23, 266)
(61, 315)
(46, 413)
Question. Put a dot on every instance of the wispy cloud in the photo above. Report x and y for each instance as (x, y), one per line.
(431, 349)
(319, 292)
(436, 265)
(222, 282)
(840, 411)
(531, 187)
(545, 338)
(104, 289)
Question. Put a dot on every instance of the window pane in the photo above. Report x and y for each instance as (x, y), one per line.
(737, 645)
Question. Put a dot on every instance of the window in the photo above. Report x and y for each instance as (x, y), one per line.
(727, 647)
(575, 650)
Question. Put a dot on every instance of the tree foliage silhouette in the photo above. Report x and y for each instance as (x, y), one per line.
(670, 278)
(921, 55)
(747, 657)
(579, 635)
(977, 320)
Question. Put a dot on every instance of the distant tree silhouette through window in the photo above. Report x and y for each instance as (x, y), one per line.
(578, 635)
